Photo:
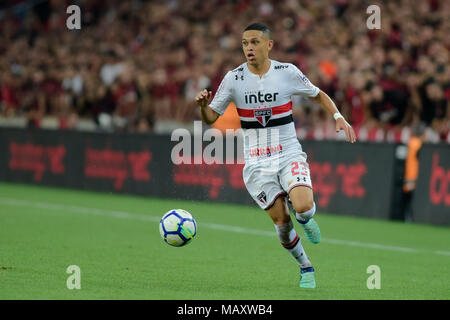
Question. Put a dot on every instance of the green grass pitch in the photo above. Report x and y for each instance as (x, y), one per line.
(115, 241)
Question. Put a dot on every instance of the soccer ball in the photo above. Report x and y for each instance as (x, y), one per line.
(177, 227)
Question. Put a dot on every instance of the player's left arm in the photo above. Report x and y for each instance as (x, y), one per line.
(341, 124)
(301, 85)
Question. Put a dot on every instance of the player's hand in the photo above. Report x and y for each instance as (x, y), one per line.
(341, 124)
(203, 98)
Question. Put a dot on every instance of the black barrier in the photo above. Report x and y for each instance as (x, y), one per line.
(431, 200)
(355, 179)
(35, 156)
(134, 164)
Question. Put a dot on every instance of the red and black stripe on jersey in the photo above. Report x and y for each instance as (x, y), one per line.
(263, 118)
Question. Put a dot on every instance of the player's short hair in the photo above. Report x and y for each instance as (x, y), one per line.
(260, 27)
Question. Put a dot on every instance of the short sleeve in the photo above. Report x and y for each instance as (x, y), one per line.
(301, 84)
(223, 96)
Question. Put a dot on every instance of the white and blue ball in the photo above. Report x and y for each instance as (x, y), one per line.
(177, 227)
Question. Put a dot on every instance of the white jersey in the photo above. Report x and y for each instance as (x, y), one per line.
(264, 104)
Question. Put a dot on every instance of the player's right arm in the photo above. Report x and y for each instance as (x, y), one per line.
(210, 112)
(208, 115)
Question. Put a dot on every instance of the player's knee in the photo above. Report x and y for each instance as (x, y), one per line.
(306, 213)
(304, 206)
(279, 220)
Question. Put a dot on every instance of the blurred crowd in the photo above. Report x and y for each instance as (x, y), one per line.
(138, 63)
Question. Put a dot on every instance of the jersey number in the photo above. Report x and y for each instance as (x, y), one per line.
(295, 167)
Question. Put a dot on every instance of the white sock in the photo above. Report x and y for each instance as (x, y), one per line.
(291, 242)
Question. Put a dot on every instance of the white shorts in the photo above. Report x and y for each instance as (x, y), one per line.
(269, 179)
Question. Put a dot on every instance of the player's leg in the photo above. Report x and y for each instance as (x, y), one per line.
(302, 200)
(304, 207)
(296, 180)
(265, 189)
(279, 213)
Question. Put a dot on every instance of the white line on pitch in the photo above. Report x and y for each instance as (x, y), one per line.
(215, 226)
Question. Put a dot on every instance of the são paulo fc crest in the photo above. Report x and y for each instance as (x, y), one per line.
(263, 116)
(262, 197)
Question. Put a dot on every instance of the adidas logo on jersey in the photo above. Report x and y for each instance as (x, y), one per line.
(260, 97)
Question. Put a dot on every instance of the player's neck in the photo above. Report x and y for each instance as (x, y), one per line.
(260, 69)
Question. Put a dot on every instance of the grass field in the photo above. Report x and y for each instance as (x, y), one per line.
(115, 241)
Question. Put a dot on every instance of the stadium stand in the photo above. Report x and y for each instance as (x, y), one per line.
(135, 66)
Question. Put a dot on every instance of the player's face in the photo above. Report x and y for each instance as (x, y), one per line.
(256, 46)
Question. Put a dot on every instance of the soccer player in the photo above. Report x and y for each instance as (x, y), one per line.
(275, 164)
